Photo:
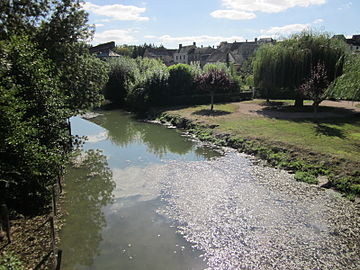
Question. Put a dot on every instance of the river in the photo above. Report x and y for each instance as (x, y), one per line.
(143, 196)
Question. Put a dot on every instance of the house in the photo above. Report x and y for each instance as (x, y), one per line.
(181, 55)
(104, 50)
(166, 55)
(354, 43)
(237, 52)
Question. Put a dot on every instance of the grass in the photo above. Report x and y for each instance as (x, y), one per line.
(337, 136)
(310, 147)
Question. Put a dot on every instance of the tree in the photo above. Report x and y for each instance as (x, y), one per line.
(315, 86)
(212, 81)
(287, 64)
(181, 80)
(347, 86)
(46, 76)
(33, 127)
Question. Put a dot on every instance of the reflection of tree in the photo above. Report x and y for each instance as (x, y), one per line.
(123, 130)
(89, 187)
(119, 125)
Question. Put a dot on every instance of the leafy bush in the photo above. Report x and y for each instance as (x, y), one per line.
(9, 261)
(122, 76)
(150, 84)
(181, 80)
(305, 177)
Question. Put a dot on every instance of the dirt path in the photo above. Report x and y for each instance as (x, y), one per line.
(327, 109)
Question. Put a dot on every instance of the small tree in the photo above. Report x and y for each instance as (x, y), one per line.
(213, 81)
(315, 86)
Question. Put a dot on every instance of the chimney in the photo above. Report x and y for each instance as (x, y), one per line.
(180, 46)
(194, 43)
(255, 40)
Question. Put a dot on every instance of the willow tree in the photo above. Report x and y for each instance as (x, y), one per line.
(347, 86)
(288, 64)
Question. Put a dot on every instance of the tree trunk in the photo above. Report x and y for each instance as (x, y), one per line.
(212, 100)
(267, 95)
(316, 106)
(299, 102)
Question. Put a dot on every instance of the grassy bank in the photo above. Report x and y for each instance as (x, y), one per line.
(308, 147)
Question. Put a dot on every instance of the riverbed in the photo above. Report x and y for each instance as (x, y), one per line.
(152, 198)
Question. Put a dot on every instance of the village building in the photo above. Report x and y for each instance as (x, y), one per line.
(237, 53)
(166, 55)
(354, 44)
(192, 54)
(104, 50)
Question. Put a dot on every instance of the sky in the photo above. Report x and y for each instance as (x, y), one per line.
(209, 22)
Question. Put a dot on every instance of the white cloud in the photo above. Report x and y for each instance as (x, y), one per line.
(318, 21)
(117, 11)
(269, 6)
(171, 41)
(280, 31)
(120, 36)
(233, 14)
(99, 24)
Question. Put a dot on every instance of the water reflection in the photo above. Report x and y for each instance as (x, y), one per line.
(89, 187)
(123, 130)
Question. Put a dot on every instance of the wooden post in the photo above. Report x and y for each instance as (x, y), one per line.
(53, 239)
(6, 221)
(70, 139)
(54, 199)
(58, 260)
(59, 181)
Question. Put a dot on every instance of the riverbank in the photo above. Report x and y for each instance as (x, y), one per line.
(319, 149)
(31, 245)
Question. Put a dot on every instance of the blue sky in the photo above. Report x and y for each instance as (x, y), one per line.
(208, 22)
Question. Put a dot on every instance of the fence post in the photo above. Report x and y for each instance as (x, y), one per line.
(58, 260)
(6, 221)
(54, 200)
(59, 182)
(53, 239)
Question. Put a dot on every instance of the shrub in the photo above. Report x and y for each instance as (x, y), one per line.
(150, 84)
(181, 80)
(122, 76)
(9, 261)
(305, 177)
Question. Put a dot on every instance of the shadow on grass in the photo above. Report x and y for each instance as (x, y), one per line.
(321, 129)
(206, 112)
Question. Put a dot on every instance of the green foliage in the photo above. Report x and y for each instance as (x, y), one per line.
(305, 177)
(122, 76)
(288, 64)
(150, 86)
(347, 86)
(33, 121)
(47, 75)
(9, 261)
(181, 80)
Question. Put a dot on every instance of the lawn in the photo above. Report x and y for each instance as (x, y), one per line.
(339, 137)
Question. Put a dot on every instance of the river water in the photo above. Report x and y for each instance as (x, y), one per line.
(143, 196)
